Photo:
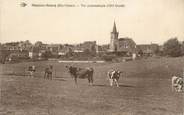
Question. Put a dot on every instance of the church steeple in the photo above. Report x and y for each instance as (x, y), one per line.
(114, 43)
(114, 28)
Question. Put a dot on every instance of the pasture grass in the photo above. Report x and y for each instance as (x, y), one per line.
(145, 89)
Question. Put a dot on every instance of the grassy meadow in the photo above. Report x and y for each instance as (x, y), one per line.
(145, 89)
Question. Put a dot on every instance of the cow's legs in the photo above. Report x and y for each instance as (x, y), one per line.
(182, 87)
(50, 76)
(90, 80)
(111, 82)
(116, 81)
(31, 74)
(46, 76)
(179, 88)
(91, 76)
(173, 85)
(75, 78)
(176, 88)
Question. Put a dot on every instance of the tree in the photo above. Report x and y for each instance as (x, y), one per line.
(47, 54)
(93, 50)
(87, 52)
(38, 44)
(172, 47)
(27, 42)
(3, 55)
(69, 52)
(182, 48)
(108, 57)
(140, 52)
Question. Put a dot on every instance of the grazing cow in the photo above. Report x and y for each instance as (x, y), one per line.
(81, 73)
(113, 76)
(48, 72)
(177, 83)
(31, 70)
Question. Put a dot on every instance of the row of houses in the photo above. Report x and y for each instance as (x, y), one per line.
(121, 45)
(26, 49)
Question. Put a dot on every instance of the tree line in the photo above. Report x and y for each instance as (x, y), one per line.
(172, 48)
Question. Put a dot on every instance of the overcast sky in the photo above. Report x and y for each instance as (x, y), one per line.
(144, 21)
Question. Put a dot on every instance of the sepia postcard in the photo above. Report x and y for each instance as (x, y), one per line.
(92, 57)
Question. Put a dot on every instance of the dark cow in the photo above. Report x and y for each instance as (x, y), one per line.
(48, 72)
(81, 73)
(113, 76)
(31, 70)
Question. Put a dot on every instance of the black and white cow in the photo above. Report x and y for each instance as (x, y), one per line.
(81, 73)
(31, 70)
(113, 76)
(177, 83)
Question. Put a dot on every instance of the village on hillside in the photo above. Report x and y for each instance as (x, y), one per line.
(88, 50)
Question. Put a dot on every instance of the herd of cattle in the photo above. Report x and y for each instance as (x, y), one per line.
(47, 74)
(112, 75)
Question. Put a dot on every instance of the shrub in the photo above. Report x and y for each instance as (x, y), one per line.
(172, 48)
(108, 57)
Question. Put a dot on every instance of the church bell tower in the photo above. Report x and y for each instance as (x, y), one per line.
(114, 44)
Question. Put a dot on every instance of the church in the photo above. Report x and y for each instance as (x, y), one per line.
(125, 45)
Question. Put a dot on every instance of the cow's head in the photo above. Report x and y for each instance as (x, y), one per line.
(32, 68)
(68, 68)
(72, 70)
(119, 73)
